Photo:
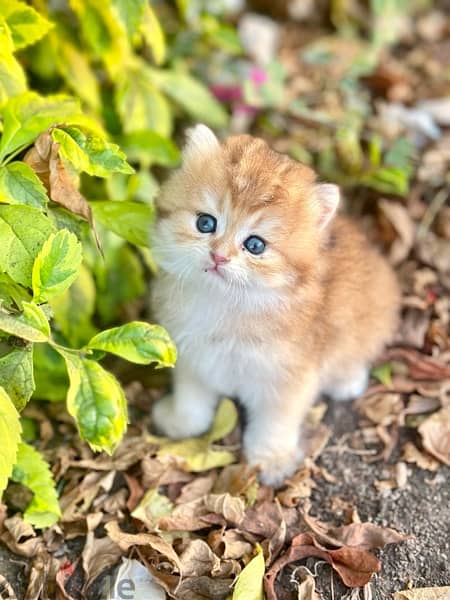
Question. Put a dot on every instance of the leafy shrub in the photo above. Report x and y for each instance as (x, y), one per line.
(62, 278)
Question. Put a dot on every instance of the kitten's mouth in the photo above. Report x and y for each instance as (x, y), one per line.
(215, 269)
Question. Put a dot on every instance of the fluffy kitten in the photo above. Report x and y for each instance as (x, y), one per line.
(268, 297)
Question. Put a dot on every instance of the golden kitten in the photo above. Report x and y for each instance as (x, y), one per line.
(269, 297)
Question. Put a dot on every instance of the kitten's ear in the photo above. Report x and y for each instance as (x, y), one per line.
(201, 143)
(327, 196)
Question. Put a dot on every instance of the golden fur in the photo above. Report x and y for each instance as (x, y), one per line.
(307, 316)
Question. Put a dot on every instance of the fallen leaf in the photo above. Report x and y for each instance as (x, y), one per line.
(383, 409)
(412, 454)
(435, 432)
(198, 559)
(306, 589)
(151, 508)
(419, 365)
(249, 584)
(98, 554)
(435, 593)
(7, 589)
(229, 543)
(21, 538)
(401, 221)
(126, 540)
(196, 489)
(39, 575)
(299, 486)
(196, 588)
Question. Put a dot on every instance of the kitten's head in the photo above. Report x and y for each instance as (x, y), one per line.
(239, 214)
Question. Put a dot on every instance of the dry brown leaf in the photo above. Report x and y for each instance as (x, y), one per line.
(229, 543)
(198, 559)
(232, 508)
(412, 454)
(435, 432)
(383, 409)
(6, 589)
(21, 538)
(98, 555)
(235, 479)
(306, 589)
(195, 588)
(400, 219)
(420, 365)
(195, 489)
(126, 540)
(354, 565)
(39, 575)
(429, 593)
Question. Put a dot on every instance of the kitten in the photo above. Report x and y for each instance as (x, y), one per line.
(269, 297)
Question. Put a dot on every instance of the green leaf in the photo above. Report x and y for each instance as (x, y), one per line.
(153, 34)
(140, 104)
(34, 472)
(12, 75)
(56, 266)
(193, 96)
(26, 24)
(137, 342)
(23, 231)
(16, 375)
(31, 324)
(27, 115)
(96, 402)
(11, 293)
(10, 435)
(130, 13)
(150, 148)
(130, 220)
(19, 184)
(249, 584)
(383, 374)
(50, 374)
(199, 453)
(91, 153)
(73, 310)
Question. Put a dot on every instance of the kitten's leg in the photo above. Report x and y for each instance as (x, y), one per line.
(349, 384)
(272, 437)
(189, 411)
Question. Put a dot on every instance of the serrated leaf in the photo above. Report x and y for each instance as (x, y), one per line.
(73, 310)
(11, 293)
(150, 148)
(16, 375)
(19, 184)
(130, 220)
(91, 153)
(137, 342)
(31, 324)
(249, 584)
(33, 471)
(10, 431)
(26, 24)
(198, 453)
(56, 266)
(139, 102)
(193, 96)
(23, 231)
(153, 34)
(96, 402)
(27, 115)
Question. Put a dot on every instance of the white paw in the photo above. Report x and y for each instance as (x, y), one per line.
(277, 466)
(178, 424)
(352, 387)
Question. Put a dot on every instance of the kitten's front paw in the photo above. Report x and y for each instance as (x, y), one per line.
(276, 467)
(170, 422)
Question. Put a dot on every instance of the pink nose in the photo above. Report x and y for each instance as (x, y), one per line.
(219, 260)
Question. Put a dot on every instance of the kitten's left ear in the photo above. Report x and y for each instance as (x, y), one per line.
(201, 143)
(327, 196)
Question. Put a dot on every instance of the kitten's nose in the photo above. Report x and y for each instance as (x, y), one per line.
(218, 259)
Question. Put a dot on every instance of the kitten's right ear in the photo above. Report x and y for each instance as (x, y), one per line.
(201, 143)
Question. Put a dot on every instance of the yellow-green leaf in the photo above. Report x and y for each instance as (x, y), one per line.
(198, 453)
(26, 24)
(96, 402)
(19, 184)
(16, 375)
(10, 431)
(153, 34)
(56, 266)
(249, 584)
(152, 507)
(31, 324)
(130, 220)
(33, 471)
(137, 342)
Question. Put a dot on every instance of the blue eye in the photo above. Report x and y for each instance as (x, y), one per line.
(255, 245)
(206, 223)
